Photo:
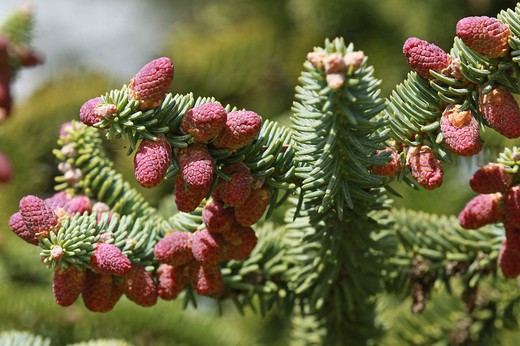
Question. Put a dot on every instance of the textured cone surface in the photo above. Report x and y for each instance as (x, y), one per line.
(6, 171)
(513, 238)
(241, 242)
(235, 192)
(512, 207)
(58, 200)
(217, 217)
(196, 166)
(79, 204)
(204, 122)
(249, 212)
(461, 131)
(86, 112)
(20, 229)
(36, 215)
(171, 281)
(109, 259)
(205, 280)
(100, 293)
(491, 178)
(152, 83)
(425, 167)
(151, 161)
(67, 285)
(206, 247)
(485, 35)
(509, 261)
(139, 287)
(188, 198)
(501, 112)
(174, 249)
(423, 56)
(482, 210)
(391, 168)
(241, 128)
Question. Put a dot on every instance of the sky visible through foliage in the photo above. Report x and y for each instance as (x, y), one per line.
(112, 37)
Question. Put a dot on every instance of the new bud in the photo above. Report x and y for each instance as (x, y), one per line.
(512, 207)
(204, 122)
(425, 167)
(152, 83)
(171, 281)
(392, 168)
(100, 293)
(139, 287)
(423, 56)
(151, 161)
(67, 285)
(249, 212)
(36, 215)
(501, 112)
(509, 261)
(241, 128)
(461, 131)
(20, 229)
(206, 247)
(485, 35)
(241, 241)
(491, 178)
(205, 280)
(110, 260)
(482, 210)
(188, 198)
(196, 166)
(174, 249)
(87, 111)
(217, 217)
(235, 191)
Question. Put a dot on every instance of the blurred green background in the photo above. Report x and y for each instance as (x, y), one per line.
(245, 53)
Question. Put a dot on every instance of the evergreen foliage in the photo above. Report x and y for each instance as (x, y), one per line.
(343, 259)
(22, 338)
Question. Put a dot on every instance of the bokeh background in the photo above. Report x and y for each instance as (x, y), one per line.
(245, 53)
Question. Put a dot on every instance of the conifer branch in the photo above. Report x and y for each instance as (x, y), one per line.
(431, 250)
(442, 106)
(16, 338)
(87, 170)
(337, 132)
(78, 235)
(342, 247)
